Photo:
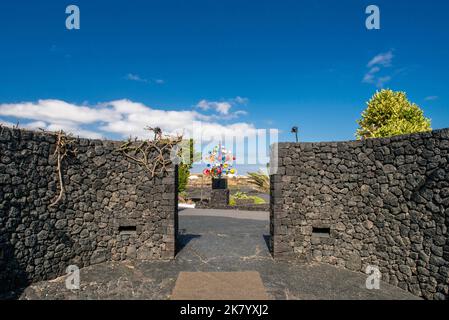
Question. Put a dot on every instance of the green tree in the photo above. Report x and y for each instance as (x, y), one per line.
(390, 113)
(183, 176)
(187, 159)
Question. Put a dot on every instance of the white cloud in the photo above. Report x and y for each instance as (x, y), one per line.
(220, 107)
(7, 123)
(382, 59)
(370, 75)
(240, 100)
(56, 111)
(223, 107)
(240, 113)
(381, 81)
(122, 117)
(137, 78)
(66, 126)
(376, 65)
(36, 125)
(431, 98)
(230, 116)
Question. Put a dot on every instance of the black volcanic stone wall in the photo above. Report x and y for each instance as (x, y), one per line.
(385, 202)
(107, 196)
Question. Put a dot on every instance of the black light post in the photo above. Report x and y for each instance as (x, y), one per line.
(295, 131)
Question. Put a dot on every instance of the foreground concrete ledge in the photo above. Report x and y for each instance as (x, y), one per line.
(219, 286)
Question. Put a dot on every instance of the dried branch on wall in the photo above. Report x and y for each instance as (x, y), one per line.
(63, 148)
(151, 154)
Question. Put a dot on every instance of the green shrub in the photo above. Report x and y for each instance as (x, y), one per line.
(390, 113)
(184, 167)
(242, 195)
(258, 200)
(183, 177)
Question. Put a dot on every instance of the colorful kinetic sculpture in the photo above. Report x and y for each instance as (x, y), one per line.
(219, 162)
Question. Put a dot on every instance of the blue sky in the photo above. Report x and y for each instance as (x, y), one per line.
(261, 64)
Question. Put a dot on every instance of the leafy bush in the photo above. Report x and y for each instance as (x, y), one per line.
(390, 113)
(241, 195)
(187, 160)
(183, 176)
(258, 200)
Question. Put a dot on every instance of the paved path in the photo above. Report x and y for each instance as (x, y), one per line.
(216, 241)
(224, 213)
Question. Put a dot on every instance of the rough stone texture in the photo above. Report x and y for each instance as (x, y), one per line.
(219, 198)
(104, 193)
(385, 202)
(217, 241)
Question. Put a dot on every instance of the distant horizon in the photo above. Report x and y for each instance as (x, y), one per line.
(241, 169)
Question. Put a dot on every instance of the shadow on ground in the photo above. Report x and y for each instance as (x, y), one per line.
(183, 239)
